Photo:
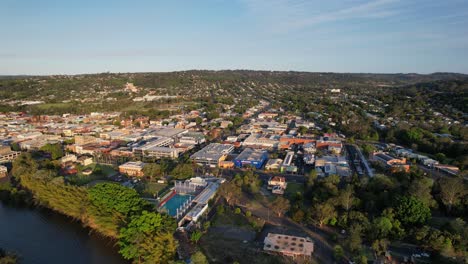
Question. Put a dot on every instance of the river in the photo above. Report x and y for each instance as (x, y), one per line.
(40, 236)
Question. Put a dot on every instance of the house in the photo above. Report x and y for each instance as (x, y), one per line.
(273, 164)
(292, 246)
(3, 171)
(85, 160)
(288, 163)
(390, 162)
(68, 158)
(132, 168)
(277, 181)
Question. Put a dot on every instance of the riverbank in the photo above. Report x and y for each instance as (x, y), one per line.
(39, 235)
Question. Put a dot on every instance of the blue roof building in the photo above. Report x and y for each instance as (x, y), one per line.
(251, 157)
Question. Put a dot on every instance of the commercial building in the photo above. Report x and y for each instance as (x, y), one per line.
(287, 141)
(162, 152)
(251, 157)
(261, 141)
(7, 155)
(173, 133)
(212, 154)
(132, 168)
(83, 140)
(292, 246)
(390, 162)
(329, 165)
(194, 138)
(154, 148)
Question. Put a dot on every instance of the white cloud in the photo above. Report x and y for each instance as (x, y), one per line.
(287, 15)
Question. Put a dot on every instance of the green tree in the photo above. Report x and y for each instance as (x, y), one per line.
(354, 239)
(421, 189)
(323, 212)
(55, 150)
(451, 190)
(199, 258)
(7, 257)
(338, 252)
(382, 226)
(312, 177)
(346, 198)
(380, 246)
(411, 211)
(153, 171)
(302, 130)
(230, 191)
(148, 238)
(196, 236)
(280, 205)
(24, 165)
(183, 171)
(112, 197)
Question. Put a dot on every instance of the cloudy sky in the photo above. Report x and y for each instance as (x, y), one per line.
(68, 37)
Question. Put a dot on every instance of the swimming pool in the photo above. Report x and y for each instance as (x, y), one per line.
(175, 202)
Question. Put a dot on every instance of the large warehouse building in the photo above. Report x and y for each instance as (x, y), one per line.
(251, 157)
(212, 154)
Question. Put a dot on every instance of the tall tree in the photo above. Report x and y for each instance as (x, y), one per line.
(346, 198)
(112, 197)
(55, 150)
(153, 171)
(451, 190)
(412, 211)
(323, 212)
(196, 236)
(230, 192)
(421, 188)
(148, 239)
(280, 205)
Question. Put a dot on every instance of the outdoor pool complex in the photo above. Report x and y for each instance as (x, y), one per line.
(175, 202)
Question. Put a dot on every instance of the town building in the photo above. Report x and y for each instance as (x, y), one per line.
(194, 138)
(3, 171)
(68, 158)
(390, 162)
(277, 181)
(83, 140)
(288, 165)
(292, 246)
(7, 155)
(155, 147)
(132, 168)
(261, 141)
(251, 157)
(212, 154)
(85, 160)
(273, 164)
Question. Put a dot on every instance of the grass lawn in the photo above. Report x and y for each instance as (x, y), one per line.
(222, 250)
(293, 188)
(224, 241)
(81, 179)
(230, 218)
(148, 189)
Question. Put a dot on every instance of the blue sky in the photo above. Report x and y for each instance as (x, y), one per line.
(68, 37)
